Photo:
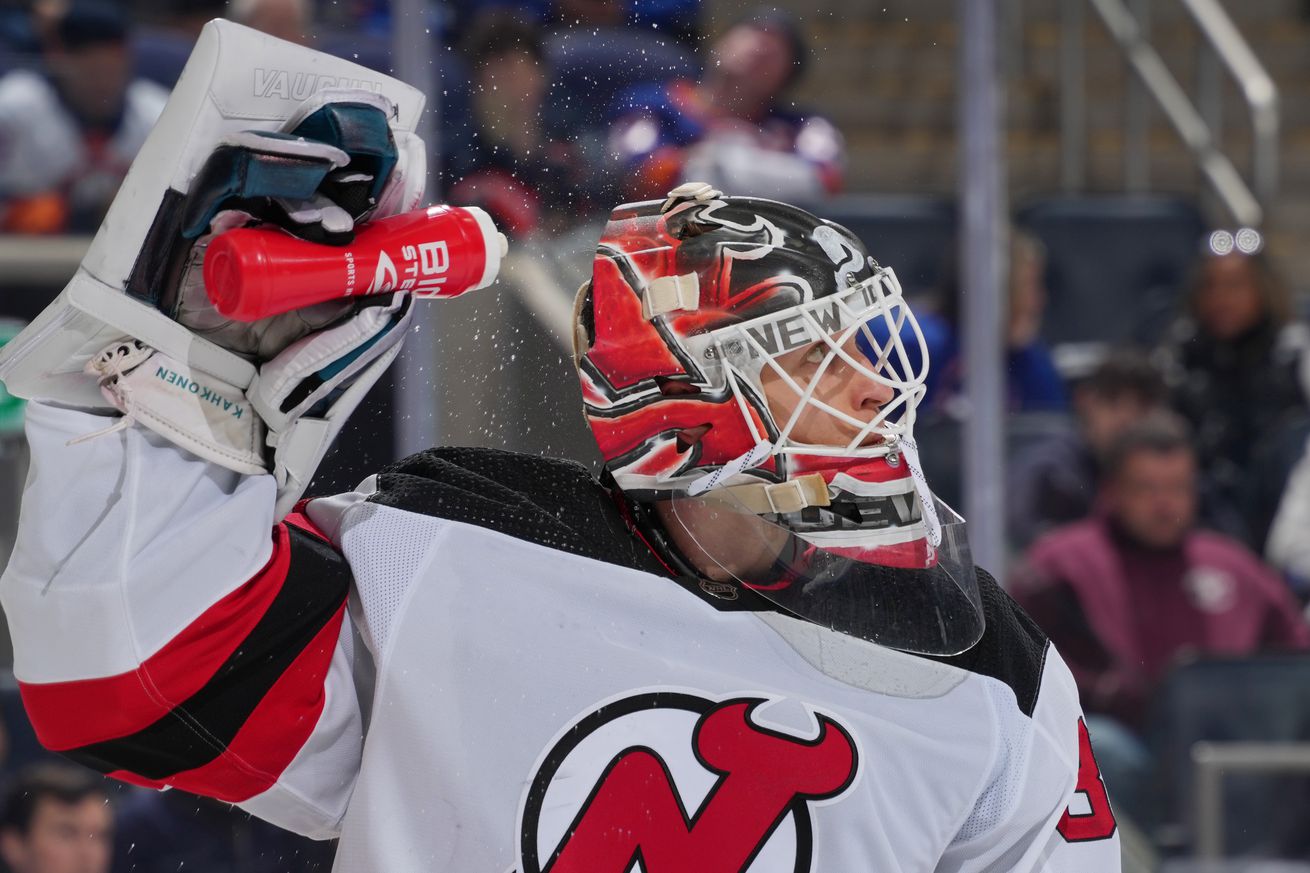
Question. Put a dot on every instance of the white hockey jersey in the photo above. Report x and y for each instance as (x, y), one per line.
(472, 665)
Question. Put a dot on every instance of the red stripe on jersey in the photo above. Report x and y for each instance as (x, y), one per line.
(272, 736)
(84, 711)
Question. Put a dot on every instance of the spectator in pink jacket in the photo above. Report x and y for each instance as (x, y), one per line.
(1128, 592)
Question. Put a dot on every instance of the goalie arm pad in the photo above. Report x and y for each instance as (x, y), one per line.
(162, 635)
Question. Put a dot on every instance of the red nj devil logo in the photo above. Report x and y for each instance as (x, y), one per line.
(635, 812)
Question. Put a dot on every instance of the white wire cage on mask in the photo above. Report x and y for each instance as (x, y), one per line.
(837, 554)
(863, 328)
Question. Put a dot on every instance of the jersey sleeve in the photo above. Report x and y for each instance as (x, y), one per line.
(167, 633)
(1045, 808)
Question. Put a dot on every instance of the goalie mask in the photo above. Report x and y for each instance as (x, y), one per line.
(751, 377)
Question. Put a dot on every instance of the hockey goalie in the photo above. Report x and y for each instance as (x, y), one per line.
(756, 643)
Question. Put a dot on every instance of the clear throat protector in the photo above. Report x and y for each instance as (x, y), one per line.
(912, 598)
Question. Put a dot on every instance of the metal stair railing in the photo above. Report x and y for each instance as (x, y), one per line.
(1213, 761)
(1258, 89)
(1245, 202)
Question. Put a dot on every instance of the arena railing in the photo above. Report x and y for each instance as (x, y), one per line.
(1198, 129)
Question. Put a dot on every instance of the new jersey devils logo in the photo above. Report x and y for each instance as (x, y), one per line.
(667, 782)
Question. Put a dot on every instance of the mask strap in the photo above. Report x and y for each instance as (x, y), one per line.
(910, 450)
(756, 456)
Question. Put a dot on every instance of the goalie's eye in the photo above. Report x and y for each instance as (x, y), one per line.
(816, 354)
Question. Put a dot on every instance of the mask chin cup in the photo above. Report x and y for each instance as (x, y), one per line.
(883, 583)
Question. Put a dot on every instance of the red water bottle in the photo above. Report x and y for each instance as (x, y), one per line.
(441, 251)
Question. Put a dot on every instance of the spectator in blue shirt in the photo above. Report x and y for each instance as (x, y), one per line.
(513, 167)
(731, 127)
(1033, 384)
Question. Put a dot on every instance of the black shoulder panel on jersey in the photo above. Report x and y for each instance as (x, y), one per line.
(547, 501)
(559, 505)
(1012, 649)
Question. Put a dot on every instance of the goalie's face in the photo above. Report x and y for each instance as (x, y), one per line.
(850, 537)
(840, 386)
(837, 376)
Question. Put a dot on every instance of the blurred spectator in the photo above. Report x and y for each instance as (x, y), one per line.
(1237, 366)
(56, 819)
(1032, 382)
(1125, 592)
(1265, 480)
(731, 128)
(286, 19)
(589, 60)
(169, 831)
(1128, 592)
(69, 134)
(678, 19)
(512, 168)
(1056, 479)
(161, 48)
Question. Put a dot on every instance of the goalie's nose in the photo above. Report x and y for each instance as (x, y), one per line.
(853, 392)
(869, 396)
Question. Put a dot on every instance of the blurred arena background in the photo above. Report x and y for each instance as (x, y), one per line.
(1099, 208)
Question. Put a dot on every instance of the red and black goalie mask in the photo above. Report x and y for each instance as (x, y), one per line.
(749, 366)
